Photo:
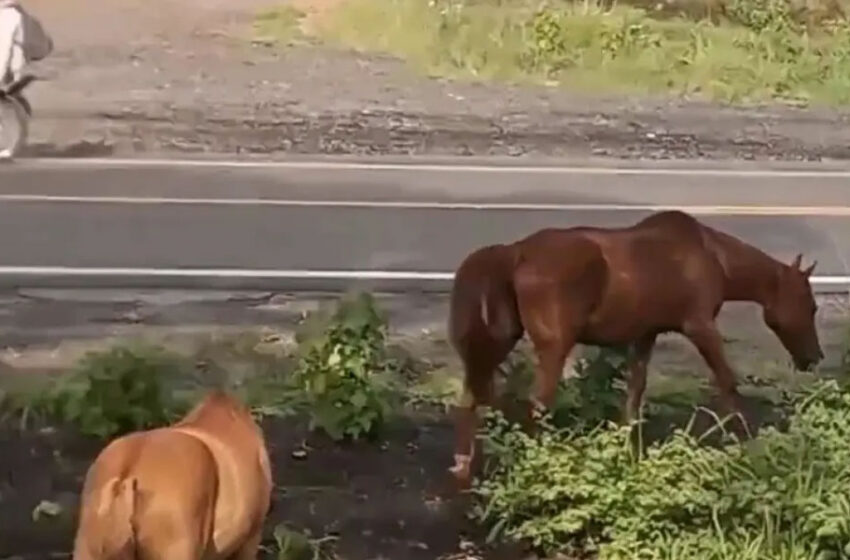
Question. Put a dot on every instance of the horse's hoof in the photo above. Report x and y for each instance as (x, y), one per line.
(461, 476)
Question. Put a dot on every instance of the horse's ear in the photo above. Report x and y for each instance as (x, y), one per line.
(810, 269)
(798, 260)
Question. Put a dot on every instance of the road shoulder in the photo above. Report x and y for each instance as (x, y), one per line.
(193, 83)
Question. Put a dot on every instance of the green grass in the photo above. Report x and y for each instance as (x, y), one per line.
(280, 25)
(767, 55)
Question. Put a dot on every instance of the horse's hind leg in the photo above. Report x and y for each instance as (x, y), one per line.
(480, 360)
(250, 548)
(705, 336)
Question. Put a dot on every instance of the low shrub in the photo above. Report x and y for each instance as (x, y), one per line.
(593, 395)
(344, 373)
(784, 495)
(116, 391)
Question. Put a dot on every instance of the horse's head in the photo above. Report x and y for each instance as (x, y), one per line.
(790, 313)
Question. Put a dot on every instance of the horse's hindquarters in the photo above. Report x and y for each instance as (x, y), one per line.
(244, 489)
(137, 501)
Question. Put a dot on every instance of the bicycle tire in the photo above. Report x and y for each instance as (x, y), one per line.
(14, 125)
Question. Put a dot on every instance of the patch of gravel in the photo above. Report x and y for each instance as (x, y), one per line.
(191, 81)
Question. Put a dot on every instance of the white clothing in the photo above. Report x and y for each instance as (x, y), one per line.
(12, 58)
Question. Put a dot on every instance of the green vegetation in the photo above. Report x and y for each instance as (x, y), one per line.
(344, 375)
(294, 545)
(579, 485)
(594, 394)
(341, 376)
(586, 489)
(727, 50)
(114, 392)
(280, 25)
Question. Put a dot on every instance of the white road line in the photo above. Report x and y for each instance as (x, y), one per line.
(226, 273)
(437, 167)
(696, 209)
(282, 274)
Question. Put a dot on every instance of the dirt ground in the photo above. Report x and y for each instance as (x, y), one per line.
(379, 501)
(185, 77)
(385, 500)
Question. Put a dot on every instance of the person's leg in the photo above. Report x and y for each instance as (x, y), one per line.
(10, 30)
(11, 62)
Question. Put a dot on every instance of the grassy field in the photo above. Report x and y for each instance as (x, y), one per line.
(357, 425)
(737, 51)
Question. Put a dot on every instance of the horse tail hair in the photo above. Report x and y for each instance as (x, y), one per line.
(116, 512)
(483, 299)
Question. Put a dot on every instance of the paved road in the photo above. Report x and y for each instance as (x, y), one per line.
(320, 224)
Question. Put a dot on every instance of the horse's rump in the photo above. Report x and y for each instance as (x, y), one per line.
(217, 499)
(132, 491)
(564, 267)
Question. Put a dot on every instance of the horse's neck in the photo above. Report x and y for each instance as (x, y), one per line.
(750, 273)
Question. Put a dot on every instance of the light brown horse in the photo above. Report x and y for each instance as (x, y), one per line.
(196, 490)
(617, 286)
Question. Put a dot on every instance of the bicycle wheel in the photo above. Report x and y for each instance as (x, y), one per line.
(14, 127)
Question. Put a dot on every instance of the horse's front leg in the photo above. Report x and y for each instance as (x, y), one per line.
(705, 336)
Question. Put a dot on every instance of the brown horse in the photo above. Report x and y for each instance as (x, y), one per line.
(199, 488)
(617, 286)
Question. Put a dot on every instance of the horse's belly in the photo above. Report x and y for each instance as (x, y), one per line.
(611, 332)
(624, 320)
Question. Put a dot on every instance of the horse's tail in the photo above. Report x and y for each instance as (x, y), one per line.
(114, 513)
(483, 299)
(484, 323)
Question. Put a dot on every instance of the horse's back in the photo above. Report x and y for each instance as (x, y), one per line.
(676, 221)
(661, 270)
(561, 254)
(622, 283)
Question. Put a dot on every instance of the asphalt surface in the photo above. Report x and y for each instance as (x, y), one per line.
(326, 224)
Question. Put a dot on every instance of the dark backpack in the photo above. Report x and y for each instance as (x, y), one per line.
(37, 43)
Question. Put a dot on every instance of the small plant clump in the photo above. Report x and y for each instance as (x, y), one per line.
(783, 495)
(343, 375)
(594, 394)
(114, 392)
(290, 544)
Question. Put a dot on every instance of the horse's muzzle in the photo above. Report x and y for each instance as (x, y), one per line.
(808, 363)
